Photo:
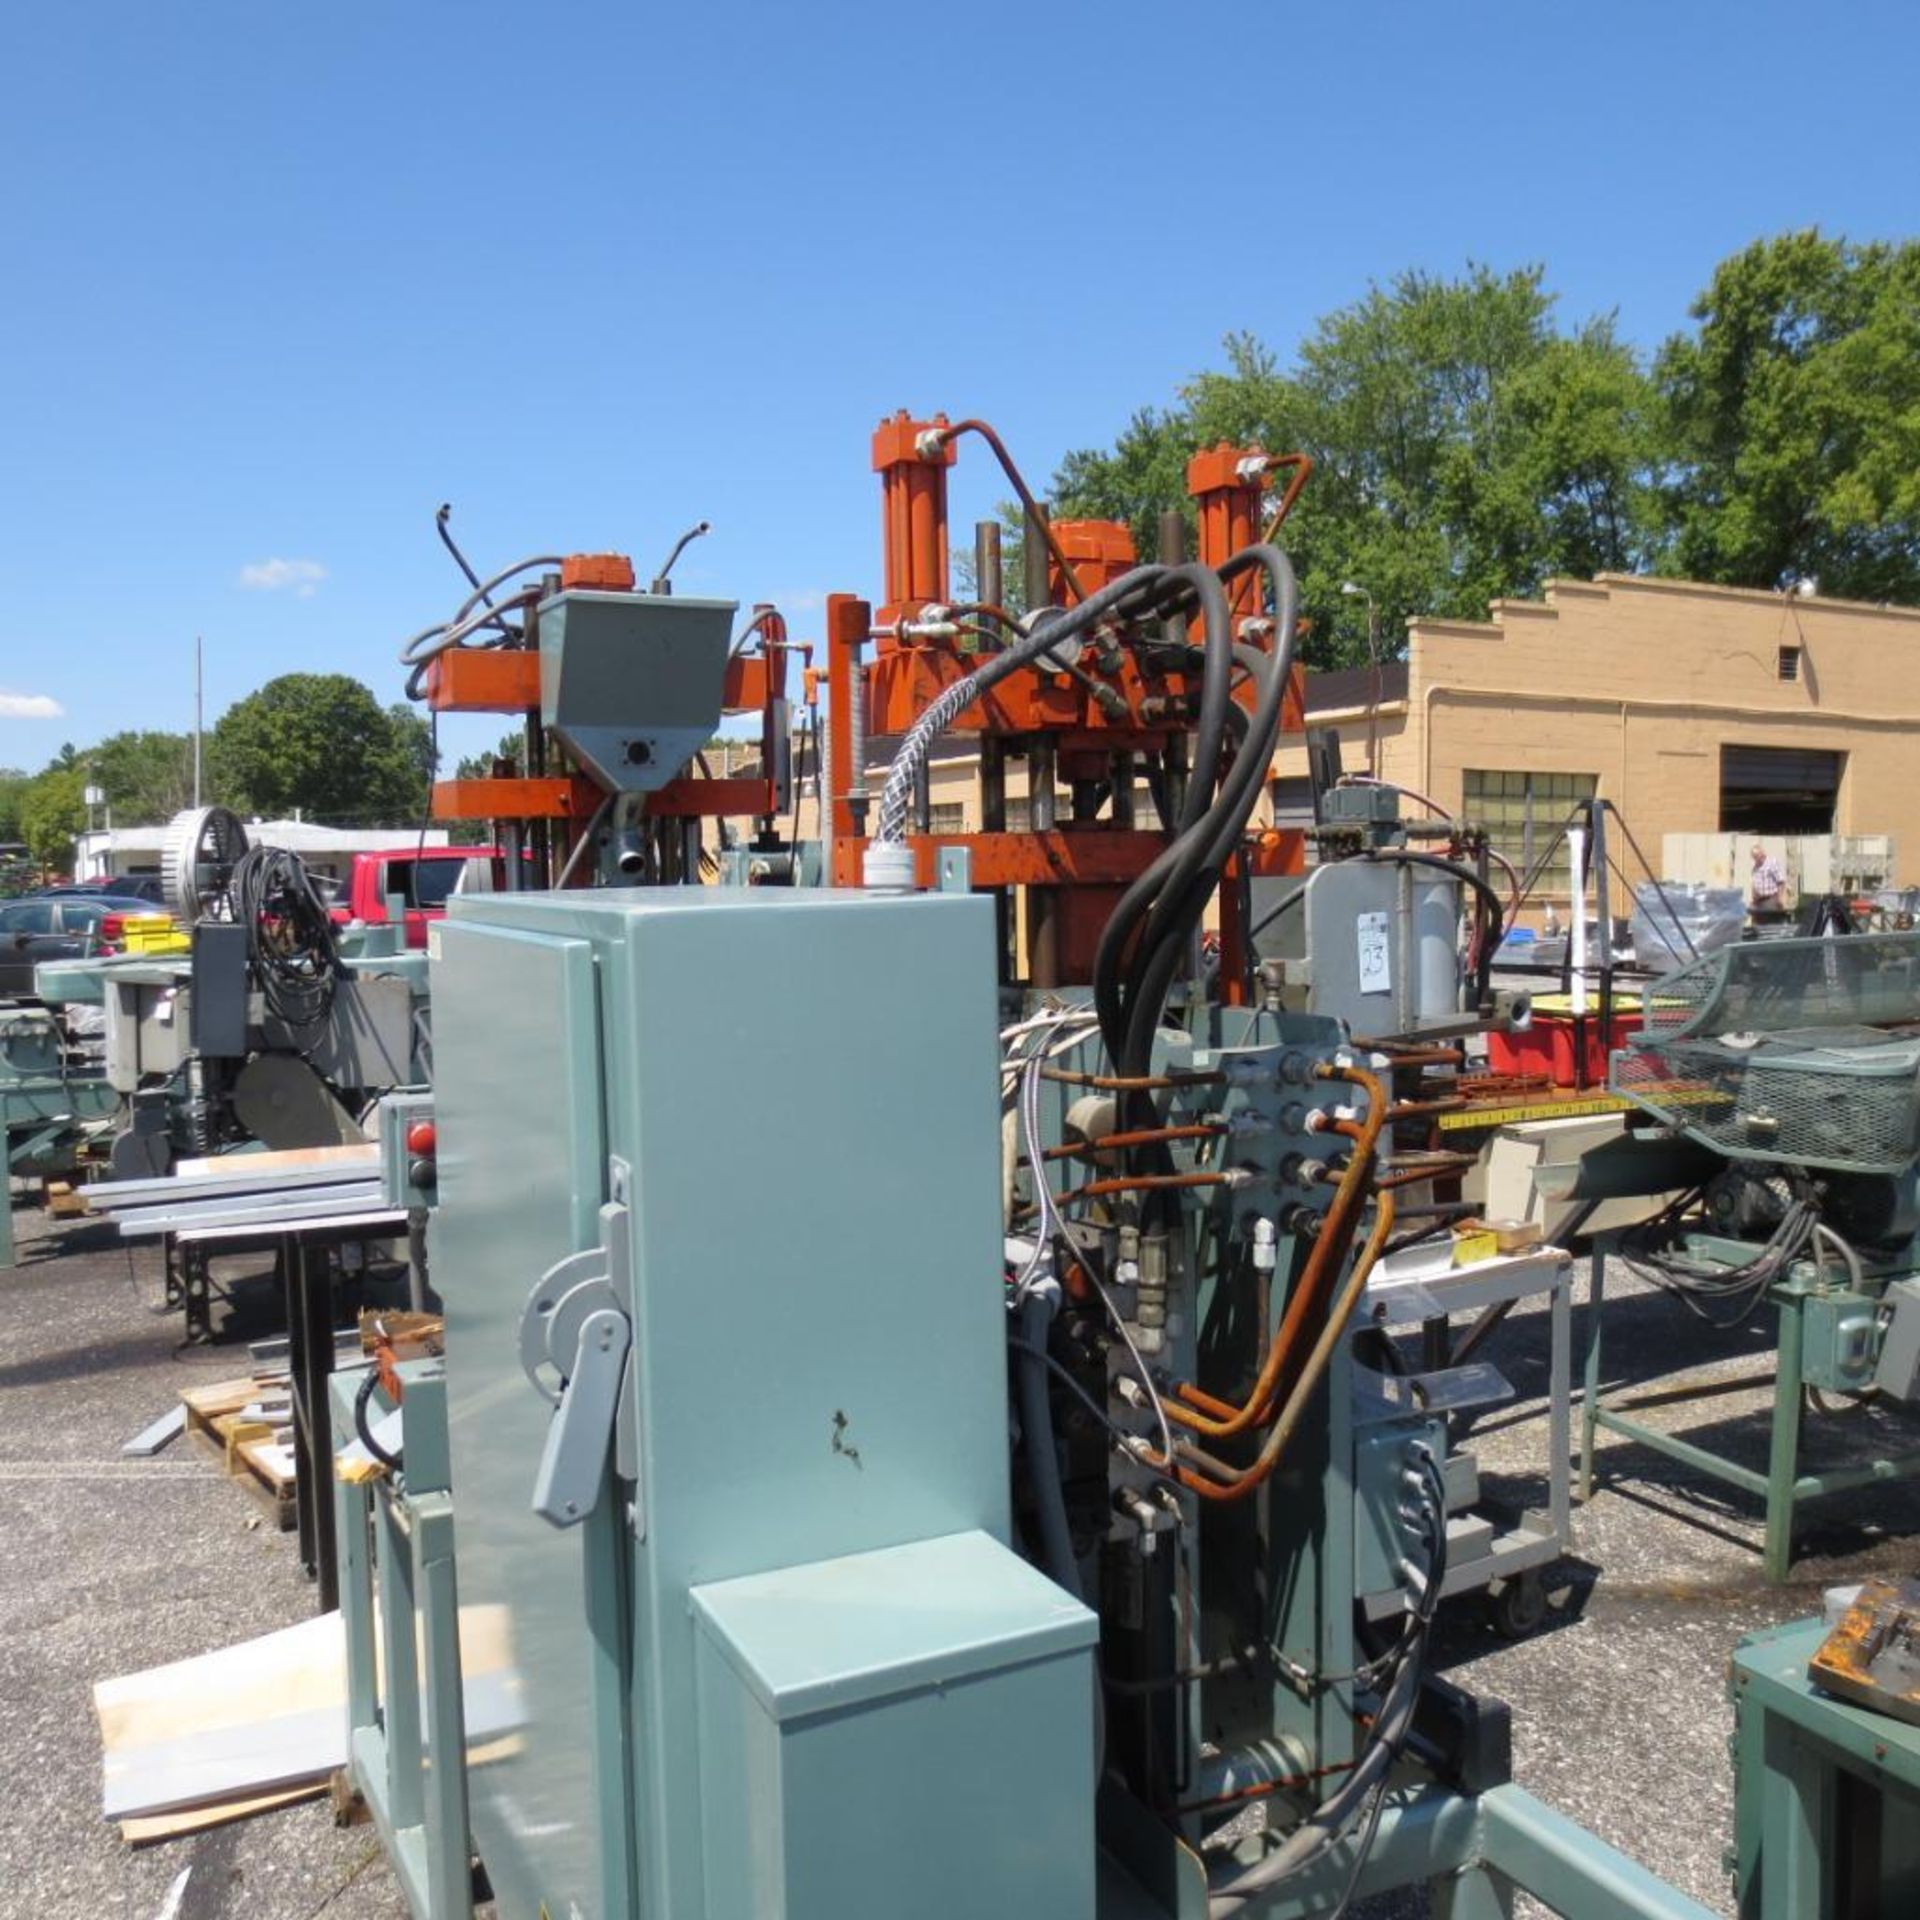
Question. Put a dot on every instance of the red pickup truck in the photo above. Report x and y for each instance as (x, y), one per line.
(423, 879)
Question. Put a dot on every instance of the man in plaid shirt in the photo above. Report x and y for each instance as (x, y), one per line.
(1768, 892)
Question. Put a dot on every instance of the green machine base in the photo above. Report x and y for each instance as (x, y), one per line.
(1827, 1795)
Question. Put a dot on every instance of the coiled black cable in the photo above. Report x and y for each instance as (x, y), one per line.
(292, 946)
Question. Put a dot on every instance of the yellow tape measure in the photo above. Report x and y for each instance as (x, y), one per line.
(1586, 1105)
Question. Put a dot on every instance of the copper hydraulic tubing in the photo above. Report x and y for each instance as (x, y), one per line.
(1418, 1056)
(1138, 1183)
(1036, 513)
(1216, 1418)
(1302, 465)
(1260, 1789)
(1415, 1176)
(1140, 1137)
(1251, 1478)
(1123, 1083)
(1213, 1418)
(1420, 1109)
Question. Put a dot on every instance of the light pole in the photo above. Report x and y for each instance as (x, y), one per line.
(1352, 589)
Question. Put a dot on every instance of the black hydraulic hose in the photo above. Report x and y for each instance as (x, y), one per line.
(1216, 678)
(1217, 671)
(1181, 880)
(1037, 1441)
(1178, 865)
(1223, 823)
(461, 561)
(1194, 851)
(391, 1461)
(1177, 912)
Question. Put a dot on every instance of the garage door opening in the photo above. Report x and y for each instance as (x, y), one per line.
(1778, 789)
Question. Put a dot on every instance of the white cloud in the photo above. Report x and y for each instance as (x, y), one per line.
(29, 706)
(276, 576)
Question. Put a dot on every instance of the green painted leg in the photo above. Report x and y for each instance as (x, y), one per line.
(448, 1850)
(1790, 1873)
(406, 1785)
(1590, 1387)
(6, 1167)
(1783, 1464)
(1474, 1893)
(352, 1543)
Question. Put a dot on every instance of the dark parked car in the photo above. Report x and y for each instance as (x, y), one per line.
(122, 886)
(65, 926)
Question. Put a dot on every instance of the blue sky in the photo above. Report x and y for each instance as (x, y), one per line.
(280, 278)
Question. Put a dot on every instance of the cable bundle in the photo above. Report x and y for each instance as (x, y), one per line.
(292, 948)
(1353, 1809)
(1724, 1297)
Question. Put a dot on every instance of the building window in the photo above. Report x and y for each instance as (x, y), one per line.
(947, 816)
(1789, 663)
(1524, 814)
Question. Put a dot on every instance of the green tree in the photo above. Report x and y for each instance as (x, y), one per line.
(322, 745)
(13, 791)
(147, 776)
(1464, 449)
(53, 813)
(1794, 414)
(511, 753)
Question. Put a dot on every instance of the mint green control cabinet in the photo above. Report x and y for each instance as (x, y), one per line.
(761, 1131)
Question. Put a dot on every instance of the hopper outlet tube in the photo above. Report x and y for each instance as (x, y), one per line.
(1577, 933)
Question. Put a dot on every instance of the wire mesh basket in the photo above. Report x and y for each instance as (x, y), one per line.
(1846, 1099)
(1779, 986)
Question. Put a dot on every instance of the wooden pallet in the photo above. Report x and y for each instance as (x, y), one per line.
(257, 1452)
(63, 1200)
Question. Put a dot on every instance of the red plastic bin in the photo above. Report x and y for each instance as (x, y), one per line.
(1548, 1047)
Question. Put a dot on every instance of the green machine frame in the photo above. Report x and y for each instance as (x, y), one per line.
(43, 1105)
(400, 1606)
(1827, 1807)
(1826, 1339)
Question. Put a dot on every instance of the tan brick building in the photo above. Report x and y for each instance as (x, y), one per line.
(1694, 709)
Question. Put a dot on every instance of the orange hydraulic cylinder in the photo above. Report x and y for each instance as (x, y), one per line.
(913, 489)
(1227, 484)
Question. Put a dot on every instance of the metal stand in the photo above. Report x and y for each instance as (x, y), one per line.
(39, 1115)
(1424, 1290)
(306, 1271)
(395, 1538)
(190, 1285)
(1782, 1487)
